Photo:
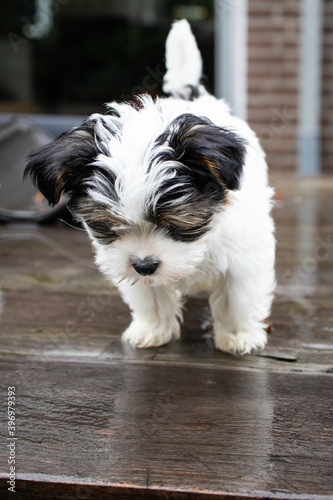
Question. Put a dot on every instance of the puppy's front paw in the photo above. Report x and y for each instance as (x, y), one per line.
(144, 334)
(240, 343)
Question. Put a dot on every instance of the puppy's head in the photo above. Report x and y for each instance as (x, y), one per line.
(146, 197)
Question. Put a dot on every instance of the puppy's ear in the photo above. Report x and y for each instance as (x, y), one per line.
(60, 166)
(211, 152)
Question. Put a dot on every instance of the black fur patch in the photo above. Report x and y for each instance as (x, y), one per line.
(194, 92)
(210, 162)
(101, 221)
(62, 165)
(185, 206)
(198, 143)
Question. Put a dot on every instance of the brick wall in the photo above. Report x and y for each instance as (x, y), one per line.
(327, 89)
(273, 85)
(273, 65)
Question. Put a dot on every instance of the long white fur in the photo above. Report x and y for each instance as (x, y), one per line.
(183, 61)
(235, 259)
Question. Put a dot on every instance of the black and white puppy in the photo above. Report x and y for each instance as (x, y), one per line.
(175, 198)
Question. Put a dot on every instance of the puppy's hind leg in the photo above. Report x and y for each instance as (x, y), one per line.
(156, 315)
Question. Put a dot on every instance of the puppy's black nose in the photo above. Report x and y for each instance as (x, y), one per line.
(146, 266)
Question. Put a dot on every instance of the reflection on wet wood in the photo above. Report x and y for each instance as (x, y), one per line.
(163, 425)
(97, 418)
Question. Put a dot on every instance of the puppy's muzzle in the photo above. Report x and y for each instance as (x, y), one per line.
(146, 266)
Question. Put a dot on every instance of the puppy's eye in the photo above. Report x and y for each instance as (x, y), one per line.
(174, 232)
(180, 234)
(102, 232)
(186, 233)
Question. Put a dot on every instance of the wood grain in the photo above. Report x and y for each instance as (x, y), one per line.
(170, 426)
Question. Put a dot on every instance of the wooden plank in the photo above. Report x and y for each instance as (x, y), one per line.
(173, 427)
(90, 326)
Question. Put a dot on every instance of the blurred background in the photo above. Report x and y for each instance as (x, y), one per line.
(61, 60)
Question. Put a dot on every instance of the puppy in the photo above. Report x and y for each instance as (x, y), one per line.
(174, 196)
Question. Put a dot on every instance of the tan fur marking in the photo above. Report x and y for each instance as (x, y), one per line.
(59, 182)
(214, 170)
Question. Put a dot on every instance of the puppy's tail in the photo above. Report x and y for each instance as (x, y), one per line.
(183, 63)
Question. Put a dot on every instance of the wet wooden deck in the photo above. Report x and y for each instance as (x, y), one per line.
(96, 419)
